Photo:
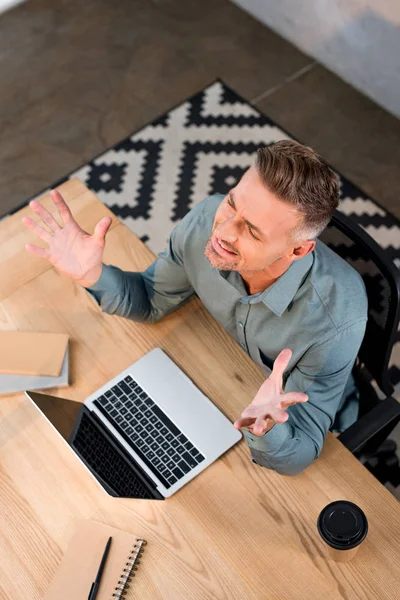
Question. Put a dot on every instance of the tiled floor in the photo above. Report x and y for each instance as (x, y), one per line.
(76, 77)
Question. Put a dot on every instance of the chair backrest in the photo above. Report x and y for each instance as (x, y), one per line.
(382, 281)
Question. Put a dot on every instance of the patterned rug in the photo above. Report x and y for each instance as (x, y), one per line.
(151, 179)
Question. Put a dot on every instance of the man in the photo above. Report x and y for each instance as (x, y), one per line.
(253, 259)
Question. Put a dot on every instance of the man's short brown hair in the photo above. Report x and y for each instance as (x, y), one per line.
(298, 175)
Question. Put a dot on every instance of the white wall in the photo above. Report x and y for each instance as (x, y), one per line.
(357, 39)
(6, 4)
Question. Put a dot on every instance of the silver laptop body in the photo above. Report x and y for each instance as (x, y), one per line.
(159, 419)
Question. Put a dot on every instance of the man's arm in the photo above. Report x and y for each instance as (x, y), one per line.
(322, 374)
(160, 289)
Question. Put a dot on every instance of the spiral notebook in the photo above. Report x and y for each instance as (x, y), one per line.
(79, 565)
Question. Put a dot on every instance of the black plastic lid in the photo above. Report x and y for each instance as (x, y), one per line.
(342, 525)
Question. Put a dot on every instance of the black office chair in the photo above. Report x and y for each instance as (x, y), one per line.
(367, 437)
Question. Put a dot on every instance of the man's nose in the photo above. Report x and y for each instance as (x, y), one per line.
(228, 232)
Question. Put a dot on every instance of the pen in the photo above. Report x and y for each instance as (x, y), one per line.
(96, 582)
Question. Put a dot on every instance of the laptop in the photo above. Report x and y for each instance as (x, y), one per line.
(144, 434)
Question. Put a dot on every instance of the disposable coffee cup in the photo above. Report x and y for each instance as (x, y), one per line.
(343, 526)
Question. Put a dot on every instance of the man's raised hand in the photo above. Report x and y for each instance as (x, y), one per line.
(270, 402)
(71, 250)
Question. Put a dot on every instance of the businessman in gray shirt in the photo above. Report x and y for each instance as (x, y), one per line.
(254, 260)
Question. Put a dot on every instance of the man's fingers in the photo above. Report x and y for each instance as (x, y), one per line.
(280, 416)
(42, 233)
(44, 215)
(260, 426)
(63, 209)
(293, 398)
(255, 413)
(243, 422)
(280, 364)
(277, 415)
(102, 227)
(42, 252)
(254, 410)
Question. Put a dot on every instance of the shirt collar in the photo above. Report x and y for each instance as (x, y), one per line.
(281, 293)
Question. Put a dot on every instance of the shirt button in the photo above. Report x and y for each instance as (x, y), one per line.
(243, 345)
(240, 323)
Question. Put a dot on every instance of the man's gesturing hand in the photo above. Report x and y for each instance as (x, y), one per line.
(72, 251)
(270, 403)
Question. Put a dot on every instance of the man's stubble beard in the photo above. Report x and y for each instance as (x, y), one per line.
(218, 263)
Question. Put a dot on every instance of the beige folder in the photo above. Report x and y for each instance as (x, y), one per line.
(31, 353)
(81, 561)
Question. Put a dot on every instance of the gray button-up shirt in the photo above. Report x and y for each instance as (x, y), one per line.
(317, 308)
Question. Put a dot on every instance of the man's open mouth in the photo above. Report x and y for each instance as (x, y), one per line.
(220, 247)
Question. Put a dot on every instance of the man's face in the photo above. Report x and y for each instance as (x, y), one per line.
(251, 229)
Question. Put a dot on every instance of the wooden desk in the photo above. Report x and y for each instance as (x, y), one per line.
(237, 531)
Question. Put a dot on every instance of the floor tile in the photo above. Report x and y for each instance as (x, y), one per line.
(78, 77)
(356, 136)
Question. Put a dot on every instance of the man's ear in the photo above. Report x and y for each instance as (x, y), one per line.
(303, 249)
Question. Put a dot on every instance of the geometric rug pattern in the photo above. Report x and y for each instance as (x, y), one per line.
(151, 179)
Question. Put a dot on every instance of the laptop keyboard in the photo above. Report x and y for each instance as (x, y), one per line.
(105, 461)
(150, 433)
